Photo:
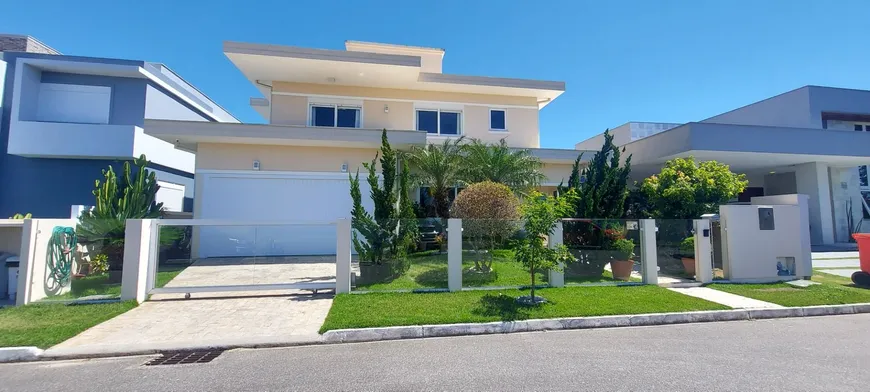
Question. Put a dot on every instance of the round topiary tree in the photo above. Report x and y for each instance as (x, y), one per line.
(490, 215)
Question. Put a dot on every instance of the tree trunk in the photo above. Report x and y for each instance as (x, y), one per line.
(532, 270)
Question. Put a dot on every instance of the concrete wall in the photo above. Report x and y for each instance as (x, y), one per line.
(812, 179)
(521, 112)
(621, 136)
(161, 106)
(557, 173)
(751, 254)
(281, 158)
(845, 192)
(33, 281)
(790, 109)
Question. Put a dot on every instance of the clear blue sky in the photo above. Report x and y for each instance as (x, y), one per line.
(644, 60)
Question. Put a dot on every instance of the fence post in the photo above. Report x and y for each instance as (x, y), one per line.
(454, 254)
(556, 278)
(703, 251)
(648, 252)
(137, 259)
(342, 256)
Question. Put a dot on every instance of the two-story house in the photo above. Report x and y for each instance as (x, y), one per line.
(66, 118)
(812, 140)
(326, 110)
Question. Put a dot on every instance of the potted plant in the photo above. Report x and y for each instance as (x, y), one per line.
(687, 256)
(621, 263)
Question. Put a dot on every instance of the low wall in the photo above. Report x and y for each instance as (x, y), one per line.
(34, 282)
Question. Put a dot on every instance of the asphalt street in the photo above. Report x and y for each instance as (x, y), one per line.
(801, 354)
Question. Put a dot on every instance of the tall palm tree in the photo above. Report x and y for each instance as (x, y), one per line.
(437, 166)
(516, 168)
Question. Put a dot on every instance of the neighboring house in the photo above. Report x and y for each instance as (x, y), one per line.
(66, 118)
(812, 140)
(326, 110)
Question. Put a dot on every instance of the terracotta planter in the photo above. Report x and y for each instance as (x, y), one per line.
(621, 269)
(689, 265)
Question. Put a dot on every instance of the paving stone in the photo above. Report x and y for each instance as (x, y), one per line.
(801, 283)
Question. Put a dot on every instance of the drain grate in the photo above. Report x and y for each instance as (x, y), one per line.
(182, 357)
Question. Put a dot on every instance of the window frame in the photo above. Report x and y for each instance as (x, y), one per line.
(335, 107)
(460, 124)
(499, 130)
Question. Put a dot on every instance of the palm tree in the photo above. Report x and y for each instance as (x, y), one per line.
(437, 166)
(516, 168)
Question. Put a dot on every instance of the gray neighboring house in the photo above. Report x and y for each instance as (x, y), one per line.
(63, 119)
(812, 140)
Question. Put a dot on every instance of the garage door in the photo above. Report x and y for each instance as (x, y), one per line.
(274, 196)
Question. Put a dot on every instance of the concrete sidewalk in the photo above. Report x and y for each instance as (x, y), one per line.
(733, 301)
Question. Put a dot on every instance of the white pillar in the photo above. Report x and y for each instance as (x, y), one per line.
(454, 254)
(556, 278)
(703, 251)
(138, 257)
(812, 179)
(648, 253)
(342, 256)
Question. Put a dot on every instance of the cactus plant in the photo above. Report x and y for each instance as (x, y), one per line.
(131, 197)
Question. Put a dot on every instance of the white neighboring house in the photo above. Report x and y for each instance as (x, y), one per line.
(812, 140)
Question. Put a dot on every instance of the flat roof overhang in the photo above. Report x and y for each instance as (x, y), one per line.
(559, 156)
(186, 135)
(748, 148)
(267, 63)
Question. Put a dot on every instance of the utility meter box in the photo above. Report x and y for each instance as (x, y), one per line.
(765, 218)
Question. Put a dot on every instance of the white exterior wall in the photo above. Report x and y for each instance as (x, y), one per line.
(751, 254)
(813, 180)
(845, 192)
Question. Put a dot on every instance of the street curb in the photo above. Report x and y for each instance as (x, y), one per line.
(19, 354)
(25, 354)
(444, 330)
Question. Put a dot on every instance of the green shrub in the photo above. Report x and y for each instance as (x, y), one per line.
(623, 248)
(687, 246)
(99, 264)
(490, 215)
(21, 216)
(687, 189)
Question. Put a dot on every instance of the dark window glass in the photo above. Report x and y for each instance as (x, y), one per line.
(322, 116)
(496, 119)
(348, 117)
(449, 123)
(427, 121)
(862, 176)
(859, 127)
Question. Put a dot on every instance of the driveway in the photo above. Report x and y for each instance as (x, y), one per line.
(168, 321)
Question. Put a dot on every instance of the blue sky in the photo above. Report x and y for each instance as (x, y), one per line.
(645, 60)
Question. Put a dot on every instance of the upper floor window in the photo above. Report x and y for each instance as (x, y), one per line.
(497, 120)
(73, 103)
(326, 115)
(439, 122)
(859, 127)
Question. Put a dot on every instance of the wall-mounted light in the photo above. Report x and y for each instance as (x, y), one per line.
(256, 165)
(344, 167)
(386, 108)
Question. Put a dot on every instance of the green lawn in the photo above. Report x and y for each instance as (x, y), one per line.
(429, 271)
(390, 309)
(99, 284)
(44, 325)
(833, 290)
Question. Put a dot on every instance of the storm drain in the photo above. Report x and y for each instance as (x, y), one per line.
(182, 357)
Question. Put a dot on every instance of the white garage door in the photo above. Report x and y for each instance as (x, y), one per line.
(275, 196)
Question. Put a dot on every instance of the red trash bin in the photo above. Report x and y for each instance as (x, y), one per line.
(862, 278)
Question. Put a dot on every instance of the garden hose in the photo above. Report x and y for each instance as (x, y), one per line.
(59, 255)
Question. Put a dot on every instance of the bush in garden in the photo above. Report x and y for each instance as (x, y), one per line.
(687, 189)
(133, 196)
(540, 214)
(391, 229)
(490, 214)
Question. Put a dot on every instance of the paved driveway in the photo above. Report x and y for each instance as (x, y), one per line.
(169, 321)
